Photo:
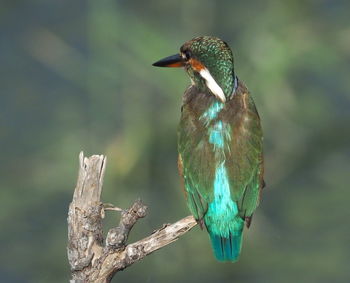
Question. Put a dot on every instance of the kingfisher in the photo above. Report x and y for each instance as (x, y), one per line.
(220, 144)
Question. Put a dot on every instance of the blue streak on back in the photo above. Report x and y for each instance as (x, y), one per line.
(222, 220)
(216, 136)
(222, 210)
(212, 112)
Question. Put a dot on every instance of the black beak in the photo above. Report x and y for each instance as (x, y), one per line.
(171, 61)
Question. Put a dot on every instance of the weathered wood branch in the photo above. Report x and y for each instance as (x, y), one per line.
(93, 259)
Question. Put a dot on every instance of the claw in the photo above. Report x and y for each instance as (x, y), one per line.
(248, 220)
(200, 222)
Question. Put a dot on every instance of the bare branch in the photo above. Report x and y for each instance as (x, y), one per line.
(116, 261)
(85, 237)
(89, 259)
(116, 237)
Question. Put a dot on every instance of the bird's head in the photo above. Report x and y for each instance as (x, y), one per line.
(209, 63)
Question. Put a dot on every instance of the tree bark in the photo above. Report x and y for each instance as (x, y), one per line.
(91, 257)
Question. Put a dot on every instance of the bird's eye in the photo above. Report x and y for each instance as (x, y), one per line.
(187, 54)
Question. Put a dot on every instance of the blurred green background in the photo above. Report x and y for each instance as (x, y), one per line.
(77, 75)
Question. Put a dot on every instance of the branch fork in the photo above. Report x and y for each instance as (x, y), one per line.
(93, 258)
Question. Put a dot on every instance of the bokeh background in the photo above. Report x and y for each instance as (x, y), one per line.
(77, 75)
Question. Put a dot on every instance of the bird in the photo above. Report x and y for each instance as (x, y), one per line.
(220, 144)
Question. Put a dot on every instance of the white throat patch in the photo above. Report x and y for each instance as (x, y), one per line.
(212, 84)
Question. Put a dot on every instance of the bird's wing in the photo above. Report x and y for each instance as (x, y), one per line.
(195, 163)
(244, 159)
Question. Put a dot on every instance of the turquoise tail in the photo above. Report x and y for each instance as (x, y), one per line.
(226, 249)
(222, 219)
